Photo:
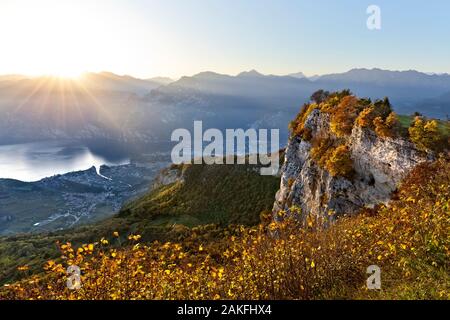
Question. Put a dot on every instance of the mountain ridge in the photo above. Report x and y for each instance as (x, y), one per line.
(135, 111)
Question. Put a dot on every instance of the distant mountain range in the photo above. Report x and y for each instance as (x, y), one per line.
(299, 75)
(103, 81)
(108, 106)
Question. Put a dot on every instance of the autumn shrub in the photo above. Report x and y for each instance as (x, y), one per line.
(342, 106)
(376, 115)
(366, 117)
(340, 163)
(322, 147)
(425, 134)
(344, 115)
(297, 126)
(393, 123)
(333, 100)
(332, 155)
(387, 128)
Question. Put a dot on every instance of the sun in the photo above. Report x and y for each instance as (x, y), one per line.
(63, 66)
(58, 39)
(66, 73)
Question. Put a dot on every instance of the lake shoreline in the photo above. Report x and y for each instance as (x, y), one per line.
(75, 198)
(32, 162)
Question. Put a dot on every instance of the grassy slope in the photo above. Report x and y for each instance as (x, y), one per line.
(222, 194)
(218, 194)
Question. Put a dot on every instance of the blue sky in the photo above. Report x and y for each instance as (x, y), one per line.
(183, 37)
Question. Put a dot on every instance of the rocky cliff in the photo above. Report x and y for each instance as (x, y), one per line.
(379, 164)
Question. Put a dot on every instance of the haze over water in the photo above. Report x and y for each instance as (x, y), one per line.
(35, 161)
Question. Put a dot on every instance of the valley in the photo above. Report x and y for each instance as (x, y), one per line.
(75, 198)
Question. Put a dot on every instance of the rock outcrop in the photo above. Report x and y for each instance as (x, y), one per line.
(168, 176)
(379, 165)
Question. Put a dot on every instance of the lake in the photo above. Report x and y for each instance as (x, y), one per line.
(34, 161)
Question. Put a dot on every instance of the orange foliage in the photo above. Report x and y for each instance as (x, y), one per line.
(344, 115)
(387, 128)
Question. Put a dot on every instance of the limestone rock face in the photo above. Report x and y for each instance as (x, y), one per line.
(379, 163)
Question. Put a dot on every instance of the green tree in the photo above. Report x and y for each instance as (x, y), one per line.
(320, 96)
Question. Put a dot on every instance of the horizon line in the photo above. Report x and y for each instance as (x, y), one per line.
(307, 76)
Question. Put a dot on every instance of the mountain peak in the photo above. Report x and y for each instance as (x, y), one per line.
(161, 80)
(208, 75)
(298, 75)
(251, 73)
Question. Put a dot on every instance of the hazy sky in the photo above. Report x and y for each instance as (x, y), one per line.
(182, 37)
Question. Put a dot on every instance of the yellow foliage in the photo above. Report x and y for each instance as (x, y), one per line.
(322, 150)
(340, 163)
(426, 134)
